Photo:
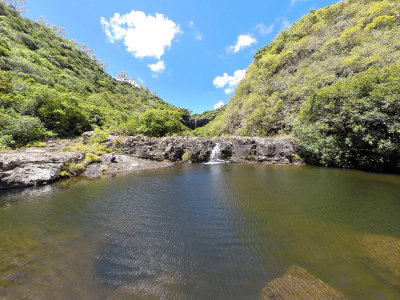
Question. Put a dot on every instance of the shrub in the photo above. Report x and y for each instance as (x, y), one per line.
(91, 158)
(354, 122)
(5, 84)
(4, 51)
(79, 147)
(28, 42)
(75, 169)
(98, 137)
(6, 142)
(36, 144)
(157, 122)
(381, 21)
(24, 129)
(63, 115)
(3, 11)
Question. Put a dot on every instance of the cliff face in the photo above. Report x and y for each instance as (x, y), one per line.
(330, 80)
(199, 150)
(193, 122)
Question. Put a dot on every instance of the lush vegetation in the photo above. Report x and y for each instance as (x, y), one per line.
(53, 87)
(355, 122)
(331, 81)
(209, 114)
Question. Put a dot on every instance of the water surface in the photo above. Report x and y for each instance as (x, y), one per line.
(217, 231)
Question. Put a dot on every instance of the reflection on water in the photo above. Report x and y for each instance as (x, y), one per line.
(204, 231)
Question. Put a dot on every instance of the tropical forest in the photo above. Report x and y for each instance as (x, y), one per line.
(226, 150)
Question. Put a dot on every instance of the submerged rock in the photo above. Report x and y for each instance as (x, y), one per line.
(384, 251)
(297, 283)
(33, 167)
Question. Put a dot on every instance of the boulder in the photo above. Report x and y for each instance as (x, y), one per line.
(298, 284)
(33, 167)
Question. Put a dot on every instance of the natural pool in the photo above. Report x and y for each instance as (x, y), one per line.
(219, 231)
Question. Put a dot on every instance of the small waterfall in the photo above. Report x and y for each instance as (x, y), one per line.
(216, 155)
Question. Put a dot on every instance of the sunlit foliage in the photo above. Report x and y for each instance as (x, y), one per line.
(332, 46)
(51, 88)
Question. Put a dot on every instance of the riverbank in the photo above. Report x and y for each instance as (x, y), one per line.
(60, 159)
(36, 166)
(200, 150)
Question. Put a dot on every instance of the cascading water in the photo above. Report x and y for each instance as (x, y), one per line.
(216, 155)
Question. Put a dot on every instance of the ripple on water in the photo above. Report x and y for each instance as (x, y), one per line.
(203, 231)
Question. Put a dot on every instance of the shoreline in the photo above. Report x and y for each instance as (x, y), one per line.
(38, 166)
(59, 160)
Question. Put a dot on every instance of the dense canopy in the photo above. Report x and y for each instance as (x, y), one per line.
(331, 80)
(53, 87)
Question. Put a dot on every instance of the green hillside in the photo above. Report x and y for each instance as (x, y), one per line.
(49, 87)
(332, 80)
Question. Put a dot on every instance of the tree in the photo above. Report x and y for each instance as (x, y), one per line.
(354, 122)
(18, 5)
(157, 122)
(122, 76)
(56, 29)
(102, 64)
(90, 53)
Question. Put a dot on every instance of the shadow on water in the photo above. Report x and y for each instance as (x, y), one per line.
(219, 231)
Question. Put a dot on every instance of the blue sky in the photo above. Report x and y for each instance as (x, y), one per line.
(192, 53)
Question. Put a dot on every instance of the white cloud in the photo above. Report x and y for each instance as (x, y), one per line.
(264, 30)
(143, 35)
(198, 36)
(229, 82)
(293, 2)
(157, 68)
(219, 105)
(191, 24)
(243, 41)
(285, 24)
(229, 90)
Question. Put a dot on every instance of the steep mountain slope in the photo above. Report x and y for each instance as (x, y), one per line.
(331, 80)
(50, 86)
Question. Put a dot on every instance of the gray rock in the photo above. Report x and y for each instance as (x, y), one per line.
(40, 166)
(33, 167)
(194, 123)
(122, 164)
(197, 150)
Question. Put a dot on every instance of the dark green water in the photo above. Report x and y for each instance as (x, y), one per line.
(201, 232)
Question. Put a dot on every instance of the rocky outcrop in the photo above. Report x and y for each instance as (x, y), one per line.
(122, 164)
(41, 166)
(33, 167)
(197, 150)
(194, 123)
